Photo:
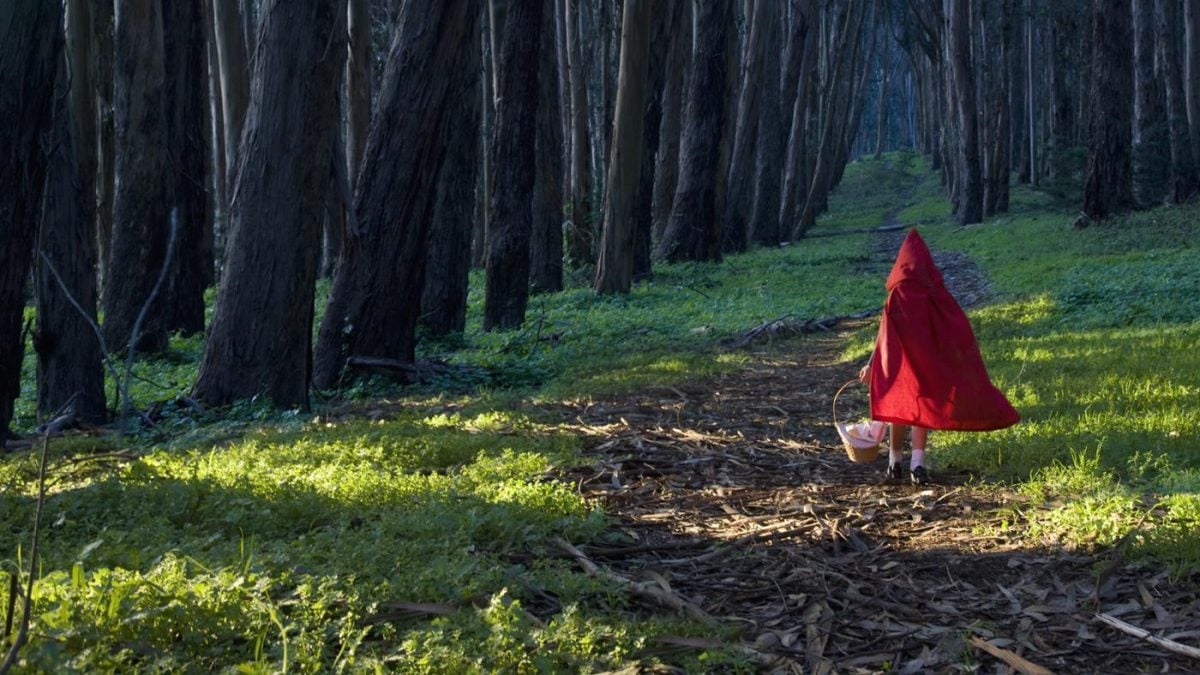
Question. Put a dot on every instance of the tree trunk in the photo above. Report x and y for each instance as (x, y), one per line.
(614, 271)
(661, 26)
(881, 117)
(218, 182)
(235, 84)
(1184, 182)
(261, 338)
(1108, 185)
(999, 164)
(545, 245)
(186, 96)
(357, 116)
(1191, 24)
(70, 376)
(375, 298)
(693, 231)
(580, 244)
(80, 50)
(30, 36)
(772, 139)
(666, 163)
(105, 29)
(507, 291)
(143, 201)
(795, 176)
(1150, 144)
(448, 258)
(735, 221)
(488, 114)
(970, 203)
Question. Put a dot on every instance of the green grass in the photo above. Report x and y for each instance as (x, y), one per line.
(255, 539)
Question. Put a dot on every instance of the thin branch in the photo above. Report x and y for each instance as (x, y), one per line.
(1143, 634)
(27, 606)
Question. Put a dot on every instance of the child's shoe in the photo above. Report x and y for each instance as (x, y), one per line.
(894, 473)
(919, 475)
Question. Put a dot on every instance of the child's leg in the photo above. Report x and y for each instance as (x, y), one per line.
(920, 437)
(896, 445)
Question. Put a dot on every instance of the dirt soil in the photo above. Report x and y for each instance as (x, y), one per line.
(739, 505)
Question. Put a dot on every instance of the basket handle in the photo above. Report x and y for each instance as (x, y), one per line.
(835, 398)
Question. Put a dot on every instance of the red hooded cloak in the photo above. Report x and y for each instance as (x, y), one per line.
(927, 370)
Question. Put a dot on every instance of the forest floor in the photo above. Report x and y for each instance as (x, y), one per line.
(738, 502)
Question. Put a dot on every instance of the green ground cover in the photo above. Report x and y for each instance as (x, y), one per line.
(255, 540)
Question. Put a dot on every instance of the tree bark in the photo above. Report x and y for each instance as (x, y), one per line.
(795, 176)
(1184, 181)
(666, 162)
(185, 98)
(30, 36)
(545, 245)
(1150, 144)
(970, 203)
(881, 116)
(261, 338)
(375, 297)
(580, 244)
(1191, 24)
(484, 198)
(1108, 185)
(448, 258)
(80, 50)
(507, 285)
(614, 271)
(693, 231)
(70, 376)
(661, 24)
(235, 83)
(105, 29)
(740, 192)
(143, 200)
(772, 139)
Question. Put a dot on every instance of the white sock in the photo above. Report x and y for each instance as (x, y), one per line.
(895, 456)
(918, 458)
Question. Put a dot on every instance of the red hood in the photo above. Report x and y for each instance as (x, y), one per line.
(914, 263)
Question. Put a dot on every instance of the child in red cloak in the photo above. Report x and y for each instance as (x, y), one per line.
(926, 371)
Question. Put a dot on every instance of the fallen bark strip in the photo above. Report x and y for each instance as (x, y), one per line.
(787, 325)
(1143, 634)
(1013, 659)
(653, 590)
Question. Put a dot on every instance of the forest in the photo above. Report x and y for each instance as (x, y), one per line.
(456, 336)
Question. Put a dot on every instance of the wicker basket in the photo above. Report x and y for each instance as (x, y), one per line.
(864, 440)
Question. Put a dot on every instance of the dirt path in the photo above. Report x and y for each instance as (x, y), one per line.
(735, 495)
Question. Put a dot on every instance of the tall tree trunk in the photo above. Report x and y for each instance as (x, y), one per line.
(545, 244)
(1029, 172)
(507, 292)
(999, 144)
(772, 138)
(105, 29)
(740, 192)
(375, 297)
(614, 271)
(580, 243)
(143, 200)
(30, 36)
(666, 163)
(1108, 187)
(488, 114)
(881, 117)
(643, 210)
(80, 51)
(1150, 144)
(70, 375)
(693, 231)
(795, 177)
(235, 83)
(448, 257)
(218, 182)
(1184, 181)
(186, 96)
(1191, 24)
(261, 336)
(357, 116)
(970, 204)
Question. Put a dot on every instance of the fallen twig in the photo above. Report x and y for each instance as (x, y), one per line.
(788, 325)
(1143, 634)
(1020, 663)
(653, 590)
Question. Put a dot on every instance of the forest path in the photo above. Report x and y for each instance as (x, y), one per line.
(735, 494)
